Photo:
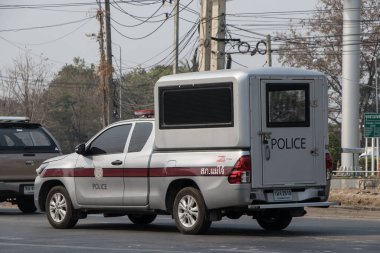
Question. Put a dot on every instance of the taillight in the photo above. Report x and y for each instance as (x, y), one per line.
(329, 166)
(241, 172)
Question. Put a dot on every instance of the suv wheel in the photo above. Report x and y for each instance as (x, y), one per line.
(59, 209)
(26, 204)
(142, 219)
(190, 212)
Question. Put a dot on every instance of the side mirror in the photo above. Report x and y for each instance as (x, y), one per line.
(80, 149)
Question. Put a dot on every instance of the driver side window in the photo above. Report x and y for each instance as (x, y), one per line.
(111, 141)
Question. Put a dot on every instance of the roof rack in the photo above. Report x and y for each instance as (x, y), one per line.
(14, 119)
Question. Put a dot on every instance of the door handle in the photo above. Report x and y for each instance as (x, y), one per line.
(117, 162)
(265, 136)
(267, 152)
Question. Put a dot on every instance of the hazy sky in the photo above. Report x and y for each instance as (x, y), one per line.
(57, 33)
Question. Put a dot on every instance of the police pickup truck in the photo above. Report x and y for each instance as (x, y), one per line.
(222, 144)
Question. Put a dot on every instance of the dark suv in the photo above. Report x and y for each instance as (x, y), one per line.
(23, 147)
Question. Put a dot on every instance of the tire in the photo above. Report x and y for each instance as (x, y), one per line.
(26, 204)
(274, 220)
(190, 212)
(142, 219)
(59, 209)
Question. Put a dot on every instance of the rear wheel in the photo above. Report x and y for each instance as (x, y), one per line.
(190, 212)
(59, 209)
(274, 220)
(26, 204)
(142, 219)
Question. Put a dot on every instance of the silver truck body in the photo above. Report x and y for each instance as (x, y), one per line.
(234, 142)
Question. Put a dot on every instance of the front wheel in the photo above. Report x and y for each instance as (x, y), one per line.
(274, 220)
(59, 209)
(190, 212)
(142, 219)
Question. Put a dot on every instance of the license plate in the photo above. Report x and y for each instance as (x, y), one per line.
(28, 189)
(282, 195)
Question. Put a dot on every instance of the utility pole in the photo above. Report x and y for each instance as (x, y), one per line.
(176, 35)
(102, 68)
(218, 33)
(269, 51)
(205, 35)
(109, 69)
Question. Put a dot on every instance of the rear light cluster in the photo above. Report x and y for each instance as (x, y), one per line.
(241, 172)
(329, 166)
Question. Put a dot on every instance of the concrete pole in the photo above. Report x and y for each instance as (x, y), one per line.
(218, 30)
(109, 70)
(176, 35)
(205, 35)
(350, 81)
(269, 50)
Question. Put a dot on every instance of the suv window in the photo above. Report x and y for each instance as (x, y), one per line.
(140, 136)
(15, 138)
(111, 141)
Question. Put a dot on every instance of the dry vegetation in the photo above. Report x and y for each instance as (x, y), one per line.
(355, 198)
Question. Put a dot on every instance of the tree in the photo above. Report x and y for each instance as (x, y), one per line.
(335, 144)
(24, 85)
(320, 48)
(138, 88)
(74, 110)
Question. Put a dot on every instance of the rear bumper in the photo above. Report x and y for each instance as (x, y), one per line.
(13, 189)
(292, 205)
(299, 194)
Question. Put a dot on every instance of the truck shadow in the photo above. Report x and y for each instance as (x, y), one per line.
(228, 230)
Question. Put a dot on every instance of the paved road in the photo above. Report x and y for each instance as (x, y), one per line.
(32, 233)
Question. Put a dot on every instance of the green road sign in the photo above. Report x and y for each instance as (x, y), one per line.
(372, 125)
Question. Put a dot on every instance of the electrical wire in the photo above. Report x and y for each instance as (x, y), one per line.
(155, 30)
(27, 50)
(147, 20)
(59, 38)
(142, 19)
(190, 33)
(46, 26)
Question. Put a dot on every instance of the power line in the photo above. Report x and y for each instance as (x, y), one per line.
(45, 26)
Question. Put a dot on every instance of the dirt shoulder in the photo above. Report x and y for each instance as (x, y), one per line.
(359, 199)
(354, 203)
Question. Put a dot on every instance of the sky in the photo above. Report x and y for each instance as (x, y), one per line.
(58, 31)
